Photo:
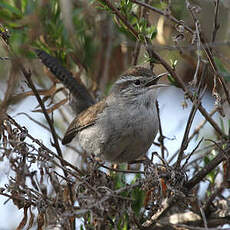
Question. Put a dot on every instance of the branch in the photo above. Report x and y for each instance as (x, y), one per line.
(216, 25)
(64, 162)
(121, 17)
(204, 47)
(207, 169)
(169, 16)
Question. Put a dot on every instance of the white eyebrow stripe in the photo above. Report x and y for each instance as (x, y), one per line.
(127, 78)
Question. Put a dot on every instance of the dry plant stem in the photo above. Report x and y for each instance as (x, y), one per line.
(216, 25)
(203, 215)
(137, 44)
(142, 14)
(207, 205)
(155, 56)
(136, 52)
(195, 78)
(195, 106)
(185, 142)
(193, 151)
(209, 55)
(189, 94)
(215, 69)
(74, 175)
(64, 162)
(167, 205)
(27, 75)
(161, 137)
(192, 47)
(196, 131)
(204, 47)
(11, 82)
(169, 16)
(120, 170)
(36, 122)
(207, 169)
(46, 128)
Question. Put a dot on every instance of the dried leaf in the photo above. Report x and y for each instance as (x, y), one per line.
(40, 220)
(18, 97)
(24, 220)
(31, 221)
(54, 107)
(147, 198)
(17, 199)
(163, 187)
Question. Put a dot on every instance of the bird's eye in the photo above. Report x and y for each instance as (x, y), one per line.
(137, 82)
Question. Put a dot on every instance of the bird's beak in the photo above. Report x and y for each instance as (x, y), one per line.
(153, 81)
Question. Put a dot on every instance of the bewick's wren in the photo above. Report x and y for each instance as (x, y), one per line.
(121, 127)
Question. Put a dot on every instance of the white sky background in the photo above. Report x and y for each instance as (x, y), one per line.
(173, 118)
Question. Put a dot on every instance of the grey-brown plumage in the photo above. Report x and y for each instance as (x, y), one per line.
(121, 127)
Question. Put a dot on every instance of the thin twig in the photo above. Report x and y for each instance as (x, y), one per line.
(203, 215)
(169, 16)
(27, 75)
(195, 106)
(195, 78)
(210, 57)
(206, 50)
(161, 137)
(185, 142)
(46, 128)
(120, 16)
(195, 132)
(193, 151)
(66, 163)
(216, 25)
(208, 168)
(120, 170)
(208, 203)
(167, 204)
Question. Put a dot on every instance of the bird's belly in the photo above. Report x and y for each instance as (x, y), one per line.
(119, 141)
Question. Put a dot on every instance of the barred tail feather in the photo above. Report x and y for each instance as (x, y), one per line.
(76, 88)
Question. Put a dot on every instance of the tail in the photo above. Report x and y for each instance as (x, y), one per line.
(82, 98)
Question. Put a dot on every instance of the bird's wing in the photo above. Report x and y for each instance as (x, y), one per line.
(83, 120)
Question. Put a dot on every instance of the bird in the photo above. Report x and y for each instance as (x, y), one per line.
(122, 126)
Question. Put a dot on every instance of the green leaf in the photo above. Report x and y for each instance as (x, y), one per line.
(172, 81)
(223, 71)
(11, 8)
(138, 197)
(17, 40)
(126, 32)
(222, 124)
(151, 32)
(211, 175)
